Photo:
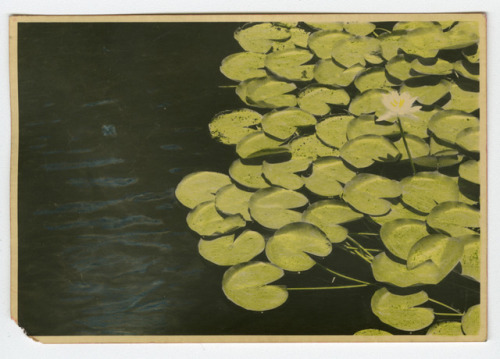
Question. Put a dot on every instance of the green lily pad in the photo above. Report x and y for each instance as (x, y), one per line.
(418, 147)
(260, 37)
(206, 221)
(461, 68)
(316, 99)
(200, 187)
(356, 50)
(368, 102)
(288, 64)
(333, 130)
(470, 261)
(322, 42)
(400, 311)
(424, 42)
(399, 68)
(390, 43)
(257, 144)
(463, 34)
(367, 192)
(231, 200)
(438, 67)
(412, 25)
(401, 234)
(327, 215)
(468, 139)
(329, 73)
(417, 124)
(327, 175)
(310, 147)
(427, 189)
(230, 127)
(359, 28)
(373, 78)
(283, 124)
(243, 65)
(291, 245)
(439, 160)
(446, 328)
(454, 218)
(439, 146)
(336, 26)
(372, 332)
(363, 151)
(299, 37)
(366, 125)
(272, 207)
(247, 175)
(283, 174)
(471, 321)
(428, 94)
(247, 285)
(462, 100)
(226, 251)
(470, 171)
(398, 211)
(446, 125)
(266, 92)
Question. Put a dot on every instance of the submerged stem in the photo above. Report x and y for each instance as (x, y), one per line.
(328, 288)
(445, 305)
(455, 314)
(369, 255)
(406, 146)
(341, 275)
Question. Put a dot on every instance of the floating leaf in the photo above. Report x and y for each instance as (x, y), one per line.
(284, 175)
(327, 215)
(366, 125)
(310, 147)
(226, 251)
(401, 234)
(446, 125)
(373, 78)
(359, 28)
(337, 26)
(390, 43)
(470, 171)
(363, 151)
(454, 218)
(243, 65)
(417, 124)
(428, 94)
(471, 321)
(372, 332)
(333, 130)
(465, 70)
(439, 160)
(323, 42)
(266, 93)
(231, 126)
(417, 146)
(206, 221)
(446, 328)
(327, 175)
(257, 144)
(260, 37)
(426, 189)
(438, 67)
(470, 261)
(463, 34)
(462, 100)
(288, 64)
(232, 200)
(412, 25)
(471, 54)
(316, 99)
(468, 139)
(398, 211)
(369, 102)
(329, 73)
(400, 312)
(367, 192)
(271, 207)
(424, 42)
(399, 68)
(246, 285)
(355, 50)
(291, 245)
(247, 175)
(283, 124)
(200, 187)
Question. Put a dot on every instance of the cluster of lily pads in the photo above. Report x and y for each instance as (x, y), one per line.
(348, 125)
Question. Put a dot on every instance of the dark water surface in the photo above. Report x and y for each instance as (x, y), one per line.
(112, 117)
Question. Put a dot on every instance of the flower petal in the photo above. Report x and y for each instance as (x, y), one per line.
(388, 116)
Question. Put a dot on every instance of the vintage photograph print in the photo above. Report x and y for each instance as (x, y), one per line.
(249, 178)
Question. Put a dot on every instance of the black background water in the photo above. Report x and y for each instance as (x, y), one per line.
(112, 117)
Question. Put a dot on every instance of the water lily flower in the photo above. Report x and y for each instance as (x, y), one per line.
(398, 105)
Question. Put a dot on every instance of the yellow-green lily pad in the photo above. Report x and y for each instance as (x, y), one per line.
(322, 42)
(317, 99)
(310, 147)
(284, 123)
(468, 139)
(329, 73)
(418, 147)
(465, 70)
(356, 50)
(471, 321)
(462, 100)
(257, 144)
(359, 28)
(230, 127)
(266, 92)
(446, 328)
(401, 234)
(366, 125)
(328, 173)
(454, 218)
(424, 41)
(200, 187)
(390, 43)
(206, 221)
(398, 211)
(260, 37)
(248, 175)
(365, 150)
(289, 64)
(336, 26)
(231, 200)
(428, 94)
(471, 54)
(333, 130)
(471, 260)
(283, 174)
(438, 67)
(373, 78)
(470, 171)
(446, 125)
(463, 34)
(369, 102)
(372, 332)
(243, 65)
(412, 25)
(399, 68)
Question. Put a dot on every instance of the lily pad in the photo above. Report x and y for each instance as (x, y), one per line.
(462, 69)
(470, 261)
(333, 130)
(390, 43)
(463, 34)
(438, 67)
(428, 94)
(398, 211)
(226, 251)
(470, 171)
(446, 328)
(417, 124)
(399, 68)
(373, 78)
(283, 124)
(471, 54)
(247, 175)
(247, 285)
(329, 73)
(266, 92)
(401, 234)
(454, 218)
(260, 37)
(471, 321)
(310, 147)
(367, 192)
(369, 102)
(427, 189)
(289, 64)
(323, 42)
(424, 42)
(468, 139)
(316, 99)
(283, 174)
(439, 160)
(372, 332)
(412, 25)
(200, 187)
(328, 173)
(231, 200)
(291, 245)
(257, 144)
(401, 311)
(243, 65)
(356, 50)
(272, 207)
(206, 221)
(418, 147)
(231, 126)
(446, 125)
(363, 151)
(366, 125)
(462, 100)
(359, 28)
(336, 26)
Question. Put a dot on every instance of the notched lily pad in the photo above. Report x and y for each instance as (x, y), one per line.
(401, 234)
(463, 34)
(373, 78)
(468, 139)
(289, 64)
(266, 92)
(428, 94)
(418, 147)
(454, 218)
(438, 67)
(323, 42)
(446, 125)
(283, 124)
(356, 50)
(260, 37)
(328, 175)
(284, 175)
(464, 70)
(462, 100)
(369, 102)
(257, 144)
(365, 150)
(232, 200)
(470, 261)
(310, 147)
(471, 321)
(446, 328)
(398, 211)
(247, 175)
(359, 28)
(200, 187)
(366, 125)
(333, 130)
(206, 221)
(317, 99)
(399, 68)
(230, 127)
(329, 73)
(243, 65)
(469, 171)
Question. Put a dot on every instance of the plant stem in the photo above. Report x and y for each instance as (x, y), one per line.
(406, 146)
(360, 247)
(328, 288)
(227, 86)
(341, 275)
(366, 234)
(454, 314)
(445, 305)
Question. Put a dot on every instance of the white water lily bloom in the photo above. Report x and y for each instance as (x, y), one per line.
(398, 105)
